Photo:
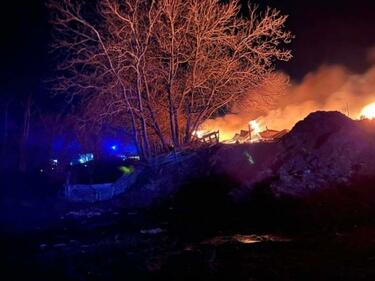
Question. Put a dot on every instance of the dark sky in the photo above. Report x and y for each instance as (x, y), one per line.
(327, 31)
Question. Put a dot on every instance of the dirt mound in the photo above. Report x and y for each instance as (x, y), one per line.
(324, 150)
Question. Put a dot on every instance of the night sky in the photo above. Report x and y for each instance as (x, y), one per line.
(327, 31)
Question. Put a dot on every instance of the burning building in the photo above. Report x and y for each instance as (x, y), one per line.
(256, 134)
(242, 137)
(272, 135)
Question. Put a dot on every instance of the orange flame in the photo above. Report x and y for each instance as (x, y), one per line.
(368, 112)
(255, 126)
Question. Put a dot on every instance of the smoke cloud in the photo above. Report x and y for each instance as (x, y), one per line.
(331, 87)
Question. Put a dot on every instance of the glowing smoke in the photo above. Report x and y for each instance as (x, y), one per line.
(331, 87)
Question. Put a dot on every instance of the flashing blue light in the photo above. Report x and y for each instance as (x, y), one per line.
(54, 162)
(82, 159)
(114, 147)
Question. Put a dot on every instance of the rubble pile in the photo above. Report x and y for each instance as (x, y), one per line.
(326, 149)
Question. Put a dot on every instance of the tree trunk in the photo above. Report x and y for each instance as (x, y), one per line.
(177, 130)
(187, 136)
(145, 141)
(171, 119)
(152, 113)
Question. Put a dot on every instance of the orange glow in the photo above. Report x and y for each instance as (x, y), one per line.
(329, 88)
(255, 126)
(199, 133)
(368, 112)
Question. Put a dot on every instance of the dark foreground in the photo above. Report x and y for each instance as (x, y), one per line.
(107, 244)
(301, 209)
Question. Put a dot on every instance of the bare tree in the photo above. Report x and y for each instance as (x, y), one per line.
(163, 66)
(265, 96)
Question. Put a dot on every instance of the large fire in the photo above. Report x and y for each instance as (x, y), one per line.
(329, 88)
(368, 112)
(256, 132)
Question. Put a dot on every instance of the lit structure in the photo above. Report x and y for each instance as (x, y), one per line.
(256, 134)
